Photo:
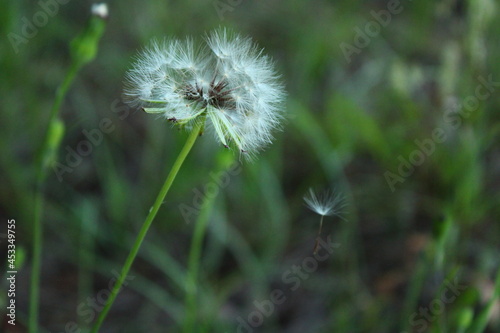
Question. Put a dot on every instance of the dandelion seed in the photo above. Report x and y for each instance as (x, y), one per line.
(229, 81)
(325, 204)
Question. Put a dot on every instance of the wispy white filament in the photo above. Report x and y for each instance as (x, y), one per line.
(326, 203)
(229, 79)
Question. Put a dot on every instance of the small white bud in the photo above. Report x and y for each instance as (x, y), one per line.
(100, 10)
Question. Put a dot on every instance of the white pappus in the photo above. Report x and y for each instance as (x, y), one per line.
(229, 81)
(325, 204)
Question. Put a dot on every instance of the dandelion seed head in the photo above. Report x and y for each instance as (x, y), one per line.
(229, 80)
(326, 203)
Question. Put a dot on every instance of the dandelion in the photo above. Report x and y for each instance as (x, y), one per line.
(229, 81)
(325, 204)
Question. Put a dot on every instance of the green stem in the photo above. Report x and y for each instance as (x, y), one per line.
(147, 223)
(190, 301)
(45, 153)
(36, 263)
(83, 50)
(193, 266)
(195, 255)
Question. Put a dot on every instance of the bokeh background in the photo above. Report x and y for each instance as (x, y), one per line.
(417, 217)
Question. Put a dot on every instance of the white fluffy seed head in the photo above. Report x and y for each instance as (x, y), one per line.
(326, 203)
(230, 80)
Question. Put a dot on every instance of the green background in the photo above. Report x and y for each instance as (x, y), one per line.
(351, 124)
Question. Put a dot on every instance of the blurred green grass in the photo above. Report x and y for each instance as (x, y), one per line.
(348, 123)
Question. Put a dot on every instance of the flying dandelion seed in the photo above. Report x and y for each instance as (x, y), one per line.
(229, 80)
(326, 203)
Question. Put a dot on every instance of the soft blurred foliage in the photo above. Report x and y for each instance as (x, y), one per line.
(352, 124)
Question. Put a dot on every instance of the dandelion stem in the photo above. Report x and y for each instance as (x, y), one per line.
(84, 48)
(194, 265)
(195, 254)
(147, 223)
(320, 225)
(36, 262)
(47, 150)
(316, 243)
